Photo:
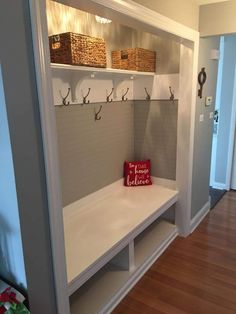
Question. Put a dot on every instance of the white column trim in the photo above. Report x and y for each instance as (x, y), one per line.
(231, 138)
(44, 86)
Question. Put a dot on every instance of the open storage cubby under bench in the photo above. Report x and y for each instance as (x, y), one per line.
(112, 237)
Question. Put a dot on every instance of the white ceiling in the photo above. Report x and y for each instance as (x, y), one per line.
(202, 2)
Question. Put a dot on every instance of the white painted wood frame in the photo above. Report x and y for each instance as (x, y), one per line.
(109, 206)
(231, 158)
(134, 15)
(49, 134)
(213, 182)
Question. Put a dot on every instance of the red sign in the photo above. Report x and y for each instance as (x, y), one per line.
(137, 173)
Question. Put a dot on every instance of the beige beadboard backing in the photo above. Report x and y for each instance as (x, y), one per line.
(156, 135)
(92, 153)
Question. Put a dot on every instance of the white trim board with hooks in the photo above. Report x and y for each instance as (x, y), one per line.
(99, 83)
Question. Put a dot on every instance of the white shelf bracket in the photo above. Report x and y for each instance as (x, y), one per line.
(76, 80)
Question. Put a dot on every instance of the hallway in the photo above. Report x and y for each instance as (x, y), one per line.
(196, 275)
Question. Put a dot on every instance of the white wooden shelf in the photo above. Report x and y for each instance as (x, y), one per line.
(119, 281)
(93, 71)
(100, 225)
(98, 291)
(150, 241)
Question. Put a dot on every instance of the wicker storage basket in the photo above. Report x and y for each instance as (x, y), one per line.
(137, 59)
(77, 49)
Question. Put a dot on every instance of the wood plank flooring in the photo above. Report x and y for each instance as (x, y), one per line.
(196, 275)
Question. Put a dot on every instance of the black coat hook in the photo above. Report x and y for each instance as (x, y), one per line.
(108, 96)
(64, 102)
(97, 117)
(148, 97)
(123, 96)
(202, 77)
(85, 101)
(172, 94)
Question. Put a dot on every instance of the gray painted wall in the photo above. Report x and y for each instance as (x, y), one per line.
(226, 100)
(217, 18)
(203, 130)
(185, 12)
(16, 55)
(11, 254)
(92, 153)
(156, 135)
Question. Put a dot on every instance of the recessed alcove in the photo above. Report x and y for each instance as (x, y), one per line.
(112, 234)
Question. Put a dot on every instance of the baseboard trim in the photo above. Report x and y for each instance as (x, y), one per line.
(219, 186)
(200, 216)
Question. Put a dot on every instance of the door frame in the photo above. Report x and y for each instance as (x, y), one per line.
(230, 156)
(213, 183)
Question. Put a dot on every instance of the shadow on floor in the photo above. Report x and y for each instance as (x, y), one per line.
(216, 196)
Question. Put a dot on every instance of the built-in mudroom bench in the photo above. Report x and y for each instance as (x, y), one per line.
(111, 238)
(95, 120)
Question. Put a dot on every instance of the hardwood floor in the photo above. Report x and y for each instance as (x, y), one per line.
(196, 275)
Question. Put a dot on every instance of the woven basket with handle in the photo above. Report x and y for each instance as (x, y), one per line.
(77, 49)
(135, 59)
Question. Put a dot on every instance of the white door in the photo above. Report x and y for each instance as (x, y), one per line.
(233, 177)
(230, 171)
(216, 121)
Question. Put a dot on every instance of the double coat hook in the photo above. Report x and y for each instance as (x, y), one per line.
(172, 95)
(108, 96)
(148, 97)
(85, 101)
(97, 117)
(123, 96)
(64, 102)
